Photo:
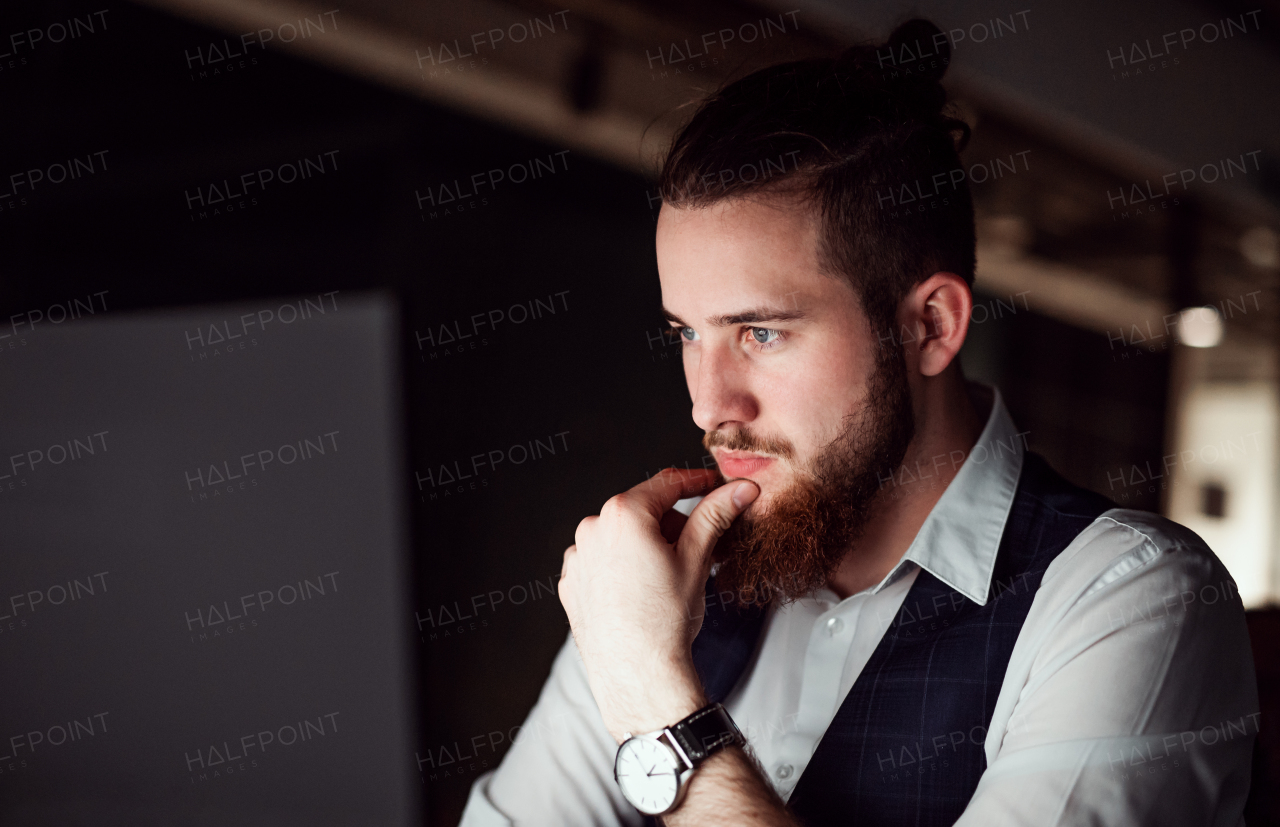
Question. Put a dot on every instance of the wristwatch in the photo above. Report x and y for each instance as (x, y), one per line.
(653, 770)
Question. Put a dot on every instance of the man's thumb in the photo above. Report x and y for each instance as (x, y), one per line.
(715, 514)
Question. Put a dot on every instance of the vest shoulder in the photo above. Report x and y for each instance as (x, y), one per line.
(1045, 485)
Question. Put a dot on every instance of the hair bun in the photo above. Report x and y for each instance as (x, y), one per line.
(917, 49)
(903, 73)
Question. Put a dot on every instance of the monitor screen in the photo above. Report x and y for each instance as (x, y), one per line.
(203, 568)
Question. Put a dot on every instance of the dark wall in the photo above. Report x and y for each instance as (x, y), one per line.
(1091, 406)
(1264, 796)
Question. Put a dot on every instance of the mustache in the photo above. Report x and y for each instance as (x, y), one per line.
(742, 439)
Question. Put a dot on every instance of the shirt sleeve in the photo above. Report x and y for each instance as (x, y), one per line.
(559, 770)
(1130, 697)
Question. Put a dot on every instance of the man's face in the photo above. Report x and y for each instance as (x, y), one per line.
(788, 380)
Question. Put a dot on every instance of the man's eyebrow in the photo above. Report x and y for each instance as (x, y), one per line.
(755, 316)
(675, 320)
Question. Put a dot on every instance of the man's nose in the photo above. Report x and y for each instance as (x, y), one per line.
(722, 395)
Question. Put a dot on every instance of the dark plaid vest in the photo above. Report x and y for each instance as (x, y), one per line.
(906, 745)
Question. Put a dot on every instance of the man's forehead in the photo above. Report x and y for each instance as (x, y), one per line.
(765, 268)
(721, 311)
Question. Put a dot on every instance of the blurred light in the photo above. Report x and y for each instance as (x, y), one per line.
(1200, 326)
(1007, 236)
(1222, 482)
(1261, 247)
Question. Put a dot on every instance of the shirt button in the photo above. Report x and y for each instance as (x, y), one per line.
(835, 626)
(785, 771)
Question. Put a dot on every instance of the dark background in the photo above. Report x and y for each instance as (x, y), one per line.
(596, 372)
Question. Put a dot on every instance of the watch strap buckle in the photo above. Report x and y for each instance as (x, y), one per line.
(705, 732)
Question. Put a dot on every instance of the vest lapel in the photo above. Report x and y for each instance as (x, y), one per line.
(725, 643)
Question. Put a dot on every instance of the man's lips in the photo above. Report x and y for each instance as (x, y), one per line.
(741, 463)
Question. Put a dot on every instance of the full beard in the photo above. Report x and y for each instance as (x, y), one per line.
(793, 548)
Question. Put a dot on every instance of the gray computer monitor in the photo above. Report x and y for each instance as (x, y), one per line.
(203, 567)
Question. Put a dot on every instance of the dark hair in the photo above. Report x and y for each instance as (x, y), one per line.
(857, 136)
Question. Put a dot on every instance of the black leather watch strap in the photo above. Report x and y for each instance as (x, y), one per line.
(705, 732)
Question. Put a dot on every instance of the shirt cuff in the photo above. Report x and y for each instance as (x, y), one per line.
(480, 811)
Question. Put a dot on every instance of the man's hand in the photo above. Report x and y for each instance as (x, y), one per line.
(633, 587)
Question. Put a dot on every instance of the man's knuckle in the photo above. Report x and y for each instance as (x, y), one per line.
(615, 507)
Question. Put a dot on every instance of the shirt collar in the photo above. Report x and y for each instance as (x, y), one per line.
(960, 538)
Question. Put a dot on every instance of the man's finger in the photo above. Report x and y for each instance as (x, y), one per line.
(568, 554)
(580, 533)
(563, 588)
(661, 491)
(672, 524)
(714, 515)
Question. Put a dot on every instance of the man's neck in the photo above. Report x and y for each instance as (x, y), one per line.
(950, 417)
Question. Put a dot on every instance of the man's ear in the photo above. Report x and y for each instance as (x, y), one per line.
(938, 309)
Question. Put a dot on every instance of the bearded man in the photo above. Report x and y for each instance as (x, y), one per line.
(886, 610)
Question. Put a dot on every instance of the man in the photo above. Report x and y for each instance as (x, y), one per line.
(909, 618)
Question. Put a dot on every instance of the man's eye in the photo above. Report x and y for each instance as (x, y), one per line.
(764, 335)
(689, 334)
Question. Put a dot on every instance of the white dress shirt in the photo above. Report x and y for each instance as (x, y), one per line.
(1129, 698)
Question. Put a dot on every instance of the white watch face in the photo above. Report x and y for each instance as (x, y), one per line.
(647, 773)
